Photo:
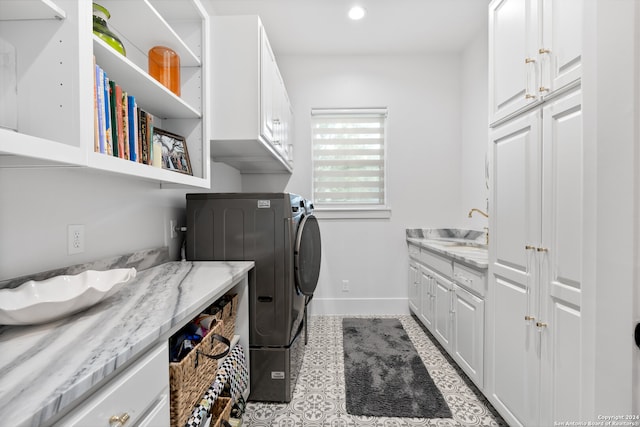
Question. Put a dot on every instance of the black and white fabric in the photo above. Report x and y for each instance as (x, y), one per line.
(234, 373)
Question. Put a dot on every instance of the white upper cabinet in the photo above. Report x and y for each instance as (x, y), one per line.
(535, 49)
(55, 48)
(561, 43)
(513, 32)
(250, 105)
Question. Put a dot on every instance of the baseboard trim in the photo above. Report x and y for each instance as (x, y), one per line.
(358, 306)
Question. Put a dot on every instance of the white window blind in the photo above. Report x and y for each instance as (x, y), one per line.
(349, 157)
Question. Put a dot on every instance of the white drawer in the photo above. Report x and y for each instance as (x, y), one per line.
(474, 280)
(132, 392)
(436, 262)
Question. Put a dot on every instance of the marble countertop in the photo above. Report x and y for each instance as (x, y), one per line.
(46, 369)
(467, 246)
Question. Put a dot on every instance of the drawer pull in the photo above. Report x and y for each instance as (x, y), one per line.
(117, 421)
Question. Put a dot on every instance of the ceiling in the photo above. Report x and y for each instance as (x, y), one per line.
(321, 27)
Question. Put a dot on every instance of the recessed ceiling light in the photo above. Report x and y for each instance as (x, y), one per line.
(356, 12)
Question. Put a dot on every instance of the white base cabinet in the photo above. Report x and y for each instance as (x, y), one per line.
(139, 396)
(448, 298)
(468, 333)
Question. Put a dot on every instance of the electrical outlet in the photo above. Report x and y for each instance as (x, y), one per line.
(75, 239)
(345, 286)
(172, 228)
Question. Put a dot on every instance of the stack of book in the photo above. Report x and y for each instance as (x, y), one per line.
(122, 129)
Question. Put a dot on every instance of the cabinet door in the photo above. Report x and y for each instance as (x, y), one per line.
(561, 262)
(414, 304)
(426, 309)
(159, 415)
(513, 343)
(513, 39)
(468, 334)
(267, 77)
(134, 392)
(561, 44)
(443, 309)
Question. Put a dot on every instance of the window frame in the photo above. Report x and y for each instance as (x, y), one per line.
(353, 210)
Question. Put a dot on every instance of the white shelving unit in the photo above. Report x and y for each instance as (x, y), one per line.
(55, 47)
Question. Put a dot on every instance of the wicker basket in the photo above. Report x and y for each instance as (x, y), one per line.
(227, 314)
(192, 376)
(221, 410)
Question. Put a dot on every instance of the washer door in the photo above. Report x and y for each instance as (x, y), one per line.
(307, 255)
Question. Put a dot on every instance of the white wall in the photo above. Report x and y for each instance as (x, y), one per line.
(120, 215)
(475, 113)
(423, 96)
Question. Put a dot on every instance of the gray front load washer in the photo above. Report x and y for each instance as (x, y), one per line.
(278, 233)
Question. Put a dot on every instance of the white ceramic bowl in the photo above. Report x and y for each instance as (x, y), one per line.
(43, 301)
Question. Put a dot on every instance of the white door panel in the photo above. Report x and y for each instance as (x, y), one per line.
(468, 334)
(561, 265)
(513, 38)
(516, 177)
(514, 349)
(562, 36)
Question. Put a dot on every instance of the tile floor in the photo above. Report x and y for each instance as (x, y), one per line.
(319, 400)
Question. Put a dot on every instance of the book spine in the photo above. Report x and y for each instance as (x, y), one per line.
(113, 115)
(133, 127)
(149, 140)
(101, 113)
(125, 124)
(96, 130)
(140, 131)
(107, 117)
(119, 121)
(143, 137)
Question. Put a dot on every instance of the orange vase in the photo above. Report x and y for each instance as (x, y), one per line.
(164, 66)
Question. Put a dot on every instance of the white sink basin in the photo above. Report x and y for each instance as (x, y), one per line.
(36, 302)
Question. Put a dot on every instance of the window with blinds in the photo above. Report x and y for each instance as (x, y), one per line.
(349, 166)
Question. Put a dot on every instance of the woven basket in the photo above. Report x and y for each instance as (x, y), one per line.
(227, 314)
(221, 410)
(192, 376)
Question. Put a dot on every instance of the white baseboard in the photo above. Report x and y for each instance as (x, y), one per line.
(358, 306)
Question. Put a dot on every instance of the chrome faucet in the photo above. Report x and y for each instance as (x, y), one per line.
(486, 215)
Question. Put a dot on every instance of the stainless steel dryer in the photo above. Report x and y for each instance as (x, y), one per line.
(280, 233)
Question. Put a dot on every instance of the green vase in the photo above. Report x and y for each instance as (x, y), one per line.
(100, 29)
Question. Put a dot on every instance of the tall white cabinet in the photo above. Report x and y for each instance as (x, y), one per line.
(534, 321)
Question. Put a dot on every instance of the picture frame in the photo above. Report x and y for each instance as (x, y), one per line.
(175, 156)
